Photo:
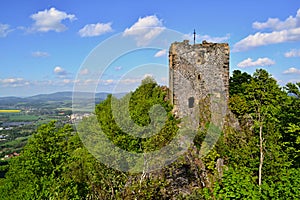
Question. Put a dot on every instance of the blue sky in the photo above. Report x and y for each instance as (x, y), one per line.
(43, 44)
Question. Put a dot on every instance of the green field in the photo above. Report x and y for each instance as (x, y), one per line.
(23, 117)
(13, 146)
(15, 143)
(15, 117)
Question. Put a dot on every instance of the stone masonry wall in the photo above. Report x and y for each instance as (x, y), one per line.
(198, 72)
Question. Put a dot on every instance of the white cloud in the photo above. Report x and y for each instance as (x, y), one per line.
(292, 70)
(84, 71)
(40, 54)
(148, 75)
(91, 30)
(259, 62)
(108, 82)
(87, 82)
(282, 31)
(4, 30)
(11, 80)
(60, 72)
(145, 29)
(118, 68)
(161, 53)
(292, 53)
(67, 81)
(50, 20)
(14, 82)
(262, 39)
(208, 38)
(19, 86)
(129, 81)
(213, 39)
(277, 25)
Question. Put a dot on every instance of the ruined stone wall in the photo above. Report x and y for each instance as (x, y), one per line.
(198, 72)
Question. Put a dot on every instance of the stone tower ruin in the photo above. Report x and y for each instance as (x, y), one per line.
(198, 72)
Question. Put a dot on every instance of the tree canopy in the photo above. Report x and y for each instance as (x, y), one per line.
(256, 157)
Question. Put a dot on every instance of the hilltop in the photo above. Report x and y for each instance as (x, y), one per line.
(54, 100)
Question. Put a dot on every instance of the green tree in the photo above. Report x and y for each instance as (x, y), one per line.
(55, 165)
(136, 118)
(268, 117)
(259, 110)
(293, 89)
(35, 172)
(237, 82)
(290, 123)
(264, 96)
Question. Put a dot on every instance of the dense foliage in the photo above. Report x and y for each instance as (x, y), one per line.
(269, 120)
(138, 104)
(259, 150)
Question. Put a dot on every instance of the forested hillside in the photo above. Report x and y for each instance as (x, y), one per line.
(256, 157)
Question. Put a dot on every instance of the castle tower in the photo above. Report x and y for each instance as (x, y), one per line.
(196, 73)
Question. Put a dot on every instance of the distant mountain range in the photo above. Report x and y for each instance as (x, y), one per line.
(7, 102)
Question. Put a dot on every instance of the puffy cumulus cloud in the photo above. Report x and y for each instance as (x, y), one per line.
(60, 72)
(161, 53)
(281, 31)
(4, 30)
(292, 70)
(208, 38)
(50, 20)
(14, 82)
(145, 29)
(262, 39)
(92, 30)
(259, 62)
(40, 54)
(292, 53)
(276, 24)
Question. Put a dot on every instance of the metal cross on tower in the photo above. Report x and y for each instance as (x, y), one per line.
(194, 36)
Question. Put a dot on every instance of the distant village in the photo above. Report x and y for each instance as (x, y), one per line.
(12, 130)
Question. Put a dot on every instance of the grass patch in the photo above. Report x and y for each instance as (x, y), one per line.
(23, 117)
